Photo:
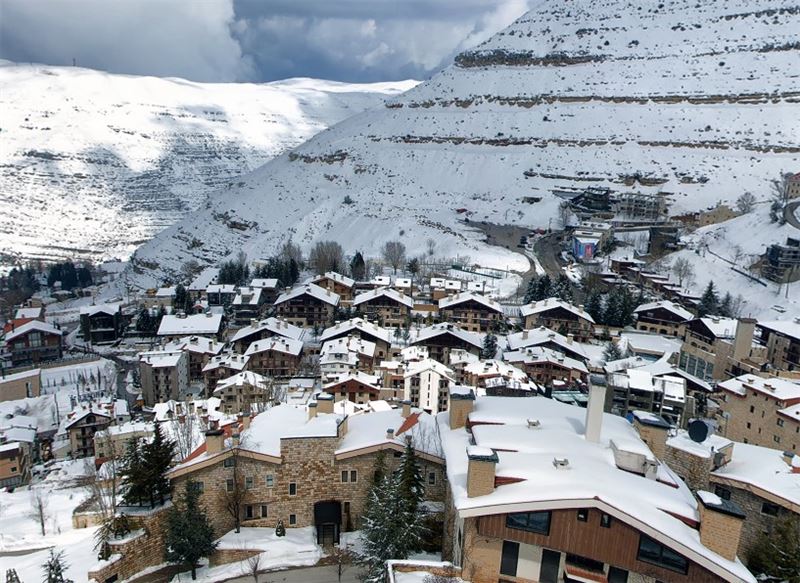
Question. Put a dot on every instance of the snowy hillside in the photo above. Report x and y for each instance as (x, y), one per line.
(700, 98)
(94, 164)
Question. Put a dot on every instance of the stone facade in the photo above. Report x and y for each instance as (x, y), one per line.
(273, 363)
(562, 321)
(755, 418)
(21, 385)
(471, 315)
(306, 310)
(719, 531)
(81, 433)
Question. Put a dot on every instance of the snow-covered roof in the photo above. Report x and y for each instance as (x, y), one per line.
(387, 292)
(435, 330)
(703, 449)
(460, 298)
(537, 354)
(402, 282)
(551, 304)
(679, 311)
(777, 388)
(82, 412)
(651, 343)
(589, 478)
(312, 290)
(247, 296)
(381, 280)
(476, 286)
(166, 292)
(765, 469)
(7, 378)
(246, 377)
(227, 360)
(337, 360)
(720, 327)
(221, 288)
(33, 326)
(127, 428)
(457, 355)
(196, 344)
(32, 313)
(264, 283)
(495, 368)
(277, 344)
(206, 277)
(337, 277)
(542, 335)
(358, 376)
(187, 325)
(452, 284)
(273, 325)
(786, 328)
(357, 324)
(421, 366)
(161, 358)
(348, 344)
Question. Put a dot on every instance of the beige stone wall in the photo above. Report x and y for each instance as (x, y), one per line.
(654, 437)
(761, 426)
(28, 386)
(694, 470)
(481, 555)
(480, 478)
(720, 532)
(225, 556)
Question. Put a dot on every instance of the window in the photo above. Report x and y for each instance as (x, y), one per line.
(776, 438)
(292, 489)
(770, 509)
(583, 514)
(655, 553)
(780, 422)
(229, 485)
(509, 558)
(431, 478)
(585, 563)
(13, 468)
(200, 486)
(248, 483)
(354, 476)
(248, 511)
(228, 463)
(530, 521)
(722, 492)
(344, 476)
(752, 408)
(605, 520)
(269, 480)
(263, 511)
(292, 519)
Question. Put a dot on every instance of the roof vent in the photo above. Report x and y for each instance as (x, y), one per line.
(561, 462)
(534, 424)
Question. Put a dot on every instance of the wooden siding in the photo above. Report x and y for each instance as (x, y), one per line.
(617, 545)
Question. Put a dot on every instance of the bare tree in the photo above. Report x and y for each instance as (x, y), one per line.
(683, 270)
(251, 566)
(394, 253)
(326, 256)
(190, 270)
(39, 508)
(234, 489)
(103, 484)
(737, 306)
(738, 254)
(292, 251)
(187, 430)
(780, 188)
(745, 203)
(431, 245)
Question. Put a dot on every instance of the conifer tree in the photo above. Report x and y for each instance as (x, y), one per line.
(144, 321)
(358, 267)
(777, 554)
(411, 485)
(158, 456)
(133, 474)
(54, 568)
(726, 306)
(594, 306)
(612, 352)
(180, 295)
(489, 349)
(709, 302)
(562, 288)
(189, 535)
(612, 313)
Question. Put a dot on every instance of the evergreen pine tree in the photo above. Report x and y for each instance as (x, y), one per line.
(133, 474)
(11, 576)
(489, 349)
(180, 296)
(54, 568)
(709, 302)
(389, 530)
(726, 306)
(545, 289)
(594, 306)
(189, 535)
(612, 313)
(627, 305)
(531, 290)
(777, 554)
(411, 486)
(612, 352)
(280, 530)
(144, 321)
(358, 268)
(562, 288)
(158, 456)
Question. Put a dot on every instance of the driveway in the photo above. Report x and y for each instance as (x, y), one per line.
(327, 574)
(788, 213)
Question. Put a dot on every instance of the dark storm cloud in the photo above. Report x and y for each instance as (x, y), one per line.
(251, 40)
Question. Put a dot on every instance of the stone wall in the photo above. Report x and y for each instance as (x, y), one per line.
(141, 550)
(694, 470)
(225, 556)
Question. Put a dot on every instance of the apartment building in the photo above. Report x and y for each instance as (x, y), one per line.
(164, 375)
(471, 311)
(385, 306)
(307, 305)
(560, 316)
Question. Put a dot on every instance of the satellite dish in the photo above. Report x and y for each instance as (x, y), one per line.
(698, 431)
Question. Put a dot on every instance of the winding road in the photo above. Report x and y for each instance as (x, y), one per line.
(789, 215)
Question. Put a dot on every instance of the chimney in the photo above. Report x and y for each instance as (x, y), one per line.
(235, 439)
(312, 410)
(214, 424)
(720, 524)
(214, 440)
(524, 334)
(653, 430)
(406, 408)
(595, 407)
(390, 434)
(570, 338)
(461, 405)
(480, 470)
(246, 422)
(325, 403)
(744, 338)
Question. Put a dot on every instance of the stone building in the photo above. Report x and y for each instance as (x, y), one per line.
(561, 316)
(221, 367)
(244, 392)
(14, 465)
(248, 304)
(164, 375)
(81, 428)
(200, 351)
(262, 329)
(365, 330)
(441, 339)
(543, 491)
(308, 469)
(386, 306)
(33, 342)
(338, 284)
(471, 311)
(545, 365)
(21, 385)
(112, 441)
(793, 186)
(276, 357)
(761, 411)
(712, 346)
(782, 340)
(307, 305)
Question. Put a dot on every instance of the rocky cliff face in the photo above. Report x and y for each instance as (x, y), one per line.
(696, 99)
(94, 164)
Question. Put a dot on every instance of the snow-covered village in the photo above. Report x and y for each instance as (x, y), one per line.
(388, 292)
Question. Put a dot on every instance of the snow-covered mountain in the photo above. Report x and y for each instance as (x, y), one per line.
(700, 98)
(94, 164)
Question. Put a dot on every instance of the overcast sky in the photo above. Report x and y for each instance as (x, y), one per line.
(251, 40)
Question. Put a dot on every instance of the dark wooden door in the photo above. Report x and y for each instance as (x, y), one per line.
(551, 561)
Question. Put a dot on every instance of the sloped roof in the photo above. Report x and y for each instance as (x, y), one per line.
(311, 290)
(421, 366)
(265, 283)
(31, 313)
(228, 360)
(542, 335)
(193, 324)
(679, 311)
(357, 324)
(552, 303)
(274, 325)
(348, 344)
(388, 292)
(787, 328)
(246, 377)
(337, 277)
(442, 329)
(463, 297)
(110, 309)
(276, 343)
(33, 326)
